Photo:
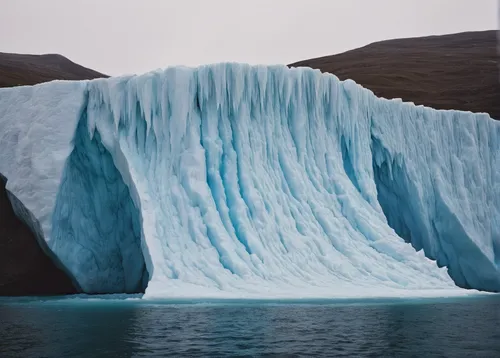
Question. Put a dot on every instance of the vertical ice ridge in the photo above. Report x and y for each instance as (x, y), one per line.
(261, 181)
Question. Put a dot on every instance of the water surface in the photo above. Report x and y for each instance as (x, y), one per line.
(82, 327)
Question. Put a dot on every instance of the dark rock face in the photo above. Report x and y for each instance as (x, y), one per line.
(458, 71)
(24, 267)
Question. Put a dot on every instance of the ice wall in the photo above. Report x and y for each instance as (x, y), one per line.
(237, 181)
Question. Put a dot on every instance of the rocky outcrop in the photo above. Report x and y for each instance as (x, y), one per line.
(24, 267)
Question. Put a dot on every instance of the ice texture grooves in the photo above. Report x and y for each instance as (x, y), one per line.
(256, 182)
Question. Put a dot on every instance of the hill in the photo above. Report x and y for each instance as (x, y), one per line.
(16, 69)
(458, 71)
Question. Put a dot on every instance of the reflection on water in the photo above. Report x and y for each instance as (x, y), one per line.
(468, 327)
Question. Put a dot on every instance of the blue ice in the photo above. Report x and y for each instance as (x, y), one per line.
(238, 181)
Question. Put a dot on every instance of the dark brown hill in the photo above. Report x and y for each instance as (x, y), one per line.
(458, 71)
(16, 69)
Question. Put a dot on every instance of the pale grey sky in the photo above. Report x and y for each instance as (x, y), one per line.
(125, 36)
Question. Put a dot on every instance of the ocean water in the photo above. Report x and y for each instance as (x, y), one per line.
(102, 327)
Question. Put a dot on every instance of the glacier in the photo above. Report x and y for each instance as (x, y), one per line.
(231, 180)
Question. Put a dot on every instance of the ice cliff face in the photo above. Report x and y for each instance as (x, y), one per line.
(238, 181)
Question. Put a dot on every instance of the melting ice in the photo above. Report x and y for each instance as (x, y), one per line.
(236, 181)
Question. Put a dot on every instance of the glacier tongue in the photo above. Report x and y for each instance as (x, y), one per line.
(236, 181)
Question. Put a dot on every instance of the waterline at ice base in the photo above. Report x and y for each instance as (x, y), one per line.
(238, 181)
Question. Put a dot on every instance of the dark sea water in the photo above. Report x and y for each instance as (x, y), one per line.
(82, 327)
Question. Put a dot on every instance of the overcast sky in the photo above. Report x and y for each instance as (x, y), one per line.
(125, 36)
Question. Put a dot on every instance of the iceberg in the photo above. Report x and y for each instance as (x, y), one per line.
(240, 181)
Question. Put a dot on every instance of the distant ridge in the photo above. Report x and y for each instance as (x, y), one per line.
(18, 69)
(457, 71)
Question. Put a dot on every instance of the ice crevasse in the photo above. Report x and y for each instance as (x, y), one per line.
(232, 180)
